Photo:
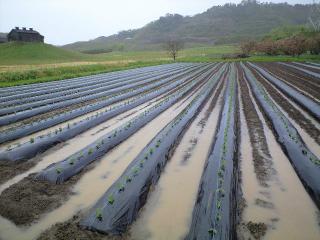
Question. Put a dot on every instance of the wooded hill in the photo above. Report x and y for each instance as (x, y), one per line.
(230, 23)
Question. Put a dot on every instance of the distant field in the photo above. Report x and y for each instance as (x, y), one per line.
(25, 63)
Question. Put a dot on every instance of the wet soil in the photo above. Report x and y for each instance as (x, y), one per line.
(298, 80)
(260, 151)
(26, 201)
(9, 170)
(292, 112)
(71, 230)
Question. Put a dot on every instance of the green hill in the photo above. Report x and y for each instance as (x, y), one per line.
(230, 23)
(34, 53)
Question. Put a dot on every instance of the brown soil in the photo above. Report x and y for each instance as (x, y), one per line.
(306, 67)
(258, 230)
(298, 80)
(9, 170)
(260, 151)
(293, 113)
(27, 200)
(71, 230)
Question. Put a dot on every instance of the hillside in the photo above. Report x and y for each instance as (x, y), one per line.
(230, 23)
(30, 53)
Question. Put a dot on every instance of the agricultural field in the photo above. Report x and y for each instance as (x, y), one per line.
(174, 151)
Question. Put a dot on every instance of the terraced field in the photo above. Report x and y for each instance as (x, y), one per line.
(179, 151)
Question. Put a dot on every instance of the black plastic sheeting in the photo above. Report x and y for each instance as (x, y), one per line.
(74, 88)
(63, 170)
(42, 143)
(93, 93)
(306, 164)
(119, 206)
(49, 122)
(17, 91)
(314, 74)
(307, 103)
(213, 215)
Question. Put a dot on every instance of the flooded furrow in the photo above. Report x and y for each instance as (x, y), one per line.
(177, 188)
(286, 204)
(308, 131)
(104, 173)
(73, 145)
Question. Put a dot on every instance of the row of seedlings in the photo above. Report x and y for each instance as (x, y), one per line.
(119, 206)
(39, 88)
(311, 106)
(306, 164)
(213, 215)
(76, 91)
(93, 93)
(33, 127)
(17, 116)
(63, 170)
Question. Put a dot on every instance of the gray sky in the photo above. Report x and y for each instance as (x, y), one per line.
(66, 21)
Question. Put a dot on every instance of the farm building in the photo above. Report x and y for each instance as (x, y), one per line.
(25, 35)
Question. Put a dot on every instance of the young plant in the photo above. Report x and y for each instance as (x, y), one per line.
(111, 199)
(58, 170)
(31, 140)
(99, 214)
(90, 151)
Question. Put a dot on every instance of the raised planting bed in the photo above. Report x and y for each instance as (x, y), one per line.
(119, 206)
(39, 95)
(306, 164)
(311, 106)
(38, 87)
(314, 74)
(213, 215)
(95, 92)
(63, 117)
(63, 170)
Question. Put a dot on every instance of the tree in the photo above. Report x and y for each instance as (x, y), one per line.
(173, 46)
(247, 47)
(314, 18)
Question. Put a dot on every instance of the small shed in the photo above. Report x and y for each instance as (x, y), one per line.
(25, 35)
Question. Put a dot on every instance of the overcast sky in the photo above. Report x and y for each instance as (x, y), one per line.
(67, 21)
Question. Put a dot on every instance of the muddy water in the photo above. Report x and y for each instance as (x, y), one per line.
(177, 188)
(289, 212)
(75, 144)
(95, 182)
(74, 120)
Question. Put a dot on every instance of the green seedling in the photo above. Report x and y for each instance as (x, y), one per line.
(219, 205)
(212, 232)
(72, 160)
(304, 152)
(128, 179)
(135, 170)
(58, 170)
(31, 140)
(99, 214)
(146, 156)
(111, 199)
(218, 217)
(90, 151)
(121, 187)
(151, 151)
(141, 163)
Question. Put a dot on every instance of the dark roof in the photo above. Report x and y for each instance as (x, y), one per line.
(20, 30)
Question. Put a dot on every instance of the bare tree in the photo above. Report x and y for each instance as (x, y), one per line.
(314, 18)
(173, 46)
(247, 47)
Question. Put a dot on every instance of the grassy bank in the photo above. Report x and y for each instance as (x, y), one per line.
(14, 78)
(25, 63)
